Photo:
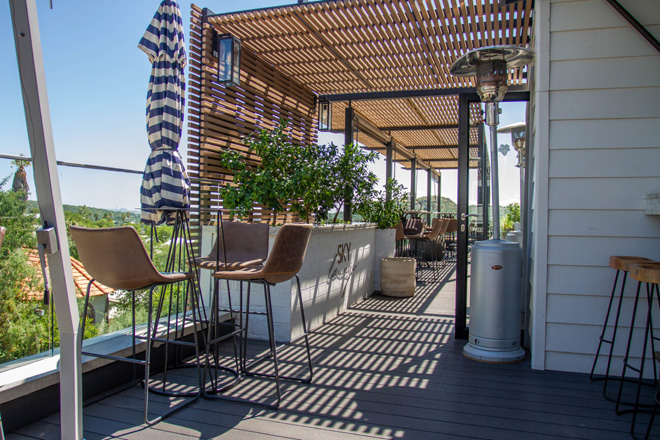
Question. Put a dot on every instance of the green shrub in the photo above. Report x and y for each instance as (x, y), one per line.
(512, 216)
(386, 213)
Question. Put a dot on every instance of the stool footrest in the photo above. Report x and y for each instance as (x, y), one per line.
(115, 358)
(168, 341)
(635, 369)
(227, 336)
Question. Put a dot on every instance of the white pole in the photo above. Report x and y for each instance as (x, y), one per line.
(492, 119)
(37, 115)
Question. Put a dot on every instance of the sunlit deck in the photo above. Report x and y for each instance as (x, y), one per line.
(388, 368)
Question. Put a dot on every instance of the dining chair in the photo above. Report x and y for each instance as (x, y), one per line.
(429, 242)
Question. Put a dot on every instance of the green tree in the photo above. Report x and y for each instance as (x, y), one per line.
(315, 181)
(354, 177)
(269, 183)
(22, 331)
(20, 227)
(512, 216)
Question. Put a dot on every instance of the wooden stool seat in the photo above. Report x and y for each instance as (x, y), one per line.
(625, 263)
(646, 272)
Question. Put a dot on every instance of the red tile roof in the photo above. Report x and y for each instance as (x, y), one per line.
(80, 278)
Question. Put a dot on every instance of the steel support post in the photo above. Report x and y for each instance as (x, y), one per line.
(462, 210)
(389, 148)
(439, 191)
(413, 183)
(349, 129)
(429, 182)
(47, 185)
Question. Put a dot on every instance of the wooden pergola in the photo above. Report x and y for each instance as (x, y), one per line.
(389, 61)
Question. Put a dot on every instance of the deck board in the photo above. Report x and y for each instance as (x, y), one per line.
(386, 369)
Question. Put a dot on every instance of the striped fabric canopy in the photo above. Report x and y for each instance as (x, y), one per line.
(165, 183)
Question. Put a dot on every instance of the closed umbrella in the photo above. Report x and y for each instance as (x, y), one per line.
(165, 185)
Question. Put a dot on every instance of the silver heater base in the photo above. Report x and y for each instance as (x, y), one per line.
(493, 356)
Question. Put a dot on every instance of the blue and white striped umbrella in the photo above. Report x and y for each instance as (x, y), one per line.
(165, 183)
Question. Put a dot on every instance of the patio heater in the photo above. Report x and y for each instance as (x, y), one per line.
(496, 264)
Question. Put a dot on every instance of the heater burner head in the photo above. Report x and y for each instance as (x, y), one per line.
(491, 66)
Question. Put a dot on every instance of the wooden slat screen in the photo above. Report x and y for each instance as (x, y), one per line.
(222, 117)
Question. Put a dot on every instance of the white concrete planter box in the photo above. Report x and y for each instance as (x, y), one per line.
(338, 272)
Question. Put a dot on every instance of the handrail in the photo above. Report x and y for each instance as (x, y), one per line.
(75, 165)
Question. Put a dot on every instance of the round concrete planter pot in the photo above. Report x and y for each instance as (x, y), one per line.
(398, 277)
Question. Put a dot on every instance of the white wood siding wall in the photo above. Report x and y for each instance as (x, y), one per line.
(597, 123)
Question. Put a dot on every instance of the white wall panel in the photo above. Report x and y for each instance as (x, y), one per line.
(604, 73)
(603, 223)
(605, 103)
(625, 162)
(581, 15)
(602, 133)
(596, 251)
(583, 280)
(601, 193)
(590, 311)
(619, 42)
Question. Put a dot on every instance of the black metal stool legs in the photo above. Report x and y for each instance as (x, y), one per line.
(273, 344)
(612, 340)
(638, 407)
(648, 333)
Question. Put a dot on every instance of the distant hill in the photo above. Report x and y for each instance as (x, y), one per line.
(448, 205)
(95, 214)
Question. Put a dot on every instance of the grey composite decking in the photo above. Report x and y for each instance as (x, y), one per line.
(386, 369)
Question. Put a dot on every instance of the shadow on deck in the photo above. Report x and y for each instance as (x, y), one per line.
(386, 369)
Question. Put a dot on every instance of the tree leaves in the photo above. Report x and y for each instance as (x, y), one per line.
(314, 179)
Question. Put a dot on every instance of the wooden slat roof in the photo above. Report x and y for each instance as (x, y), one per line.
(364, 46)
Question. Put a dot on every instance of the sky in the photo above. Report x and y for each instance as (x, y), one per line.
(97, 84)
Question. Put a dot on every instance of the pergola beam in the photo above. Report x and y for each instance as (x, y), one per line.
(428, 147)
(420, 127)
(515, 93)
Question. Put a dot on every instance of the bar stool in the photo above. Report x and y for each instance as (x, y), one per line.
(621, 264)
(284, 262)
(648, 273)
(238, 246)
(117, 258)
(656, 405)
